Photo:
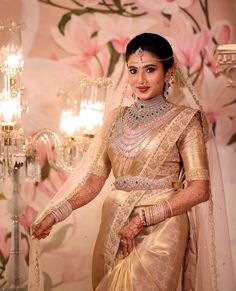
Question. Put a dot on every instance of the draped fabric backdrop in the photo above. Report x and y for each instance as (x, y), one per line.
(64, 38)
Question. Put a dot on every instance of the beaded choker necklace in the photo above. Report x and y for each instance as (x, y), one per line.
(144, 110)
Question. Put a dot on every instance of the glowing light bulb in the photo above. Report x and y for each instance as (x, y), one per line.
(69, 122)
(9, 109)
(14, 61)
(91, 116)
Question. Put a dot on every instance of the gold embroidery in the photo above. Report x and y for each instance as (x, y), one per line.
(197, 174)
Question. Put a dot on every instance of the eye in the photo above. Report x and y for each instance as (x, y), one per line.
(150, 69)
(132, 71)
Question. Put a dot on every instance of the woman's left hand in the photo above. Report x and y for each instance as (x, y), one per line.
(128, 233)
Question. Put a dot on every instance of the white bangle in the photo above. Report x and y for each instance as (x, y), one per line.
(62, 212)
(157, 213)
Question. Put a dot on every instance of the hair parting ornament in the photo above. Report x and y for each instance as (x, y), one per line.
(140, 52)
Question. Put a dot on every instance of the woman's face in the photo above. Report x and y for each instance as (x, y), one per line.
(146, 75)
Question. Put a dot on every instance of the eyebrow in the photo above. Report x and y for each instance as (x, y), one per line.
(145, 66)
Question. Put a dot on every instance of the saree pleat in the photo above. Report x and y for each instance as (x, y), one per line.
(157, 258)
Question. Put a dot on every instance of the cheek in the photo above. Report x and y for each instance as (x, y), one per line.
(160, 80)
(131, 79)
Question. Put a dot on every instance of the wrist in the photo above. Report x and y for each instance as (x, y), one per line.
(62, 212)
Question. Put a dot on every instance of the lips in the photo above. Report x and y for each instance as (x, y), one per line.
(143, 89)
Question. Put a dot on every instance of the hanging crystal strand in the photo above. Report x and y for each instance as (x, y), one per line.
(32, 165)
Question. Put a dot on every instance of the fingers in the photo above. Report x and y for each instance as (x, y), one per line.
(127, 246)
(43, 229)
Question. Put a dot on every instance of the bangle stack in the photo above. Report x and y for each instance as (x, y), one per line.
(62, 212)
(156, 213)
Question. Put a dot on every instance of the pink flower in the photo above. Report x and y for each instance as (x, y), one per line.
(217, 100)
(94, 67)
(222, 31)
(121, 30)
(27, 218)
(84, 49)
(77, 39)
(166, 6)
(188, 45)
(4, 244)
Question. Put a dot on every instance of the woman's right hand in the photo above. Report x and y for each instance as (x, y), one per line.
(43, 229)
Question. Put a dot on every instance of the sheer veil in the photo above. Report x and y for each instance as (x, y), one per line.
(215, 266)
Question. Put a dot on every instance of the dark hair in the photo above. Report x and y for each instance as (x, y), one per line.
(153, 43)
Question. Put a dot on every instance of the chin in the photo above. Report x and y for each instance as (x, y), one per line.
(145, 97)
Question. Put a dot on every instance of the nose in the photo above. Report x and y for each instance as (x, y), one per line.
(141, 76)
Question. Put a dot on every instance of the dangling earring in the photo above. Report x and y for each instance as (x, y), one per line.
(134, 96)
(166, 89)
(169, 81)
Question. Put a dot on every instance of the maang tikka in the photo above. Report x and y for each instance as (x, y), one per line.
(140, 52)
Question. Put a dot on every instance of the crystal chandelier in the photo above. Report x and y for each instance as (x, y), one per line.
(81, 116)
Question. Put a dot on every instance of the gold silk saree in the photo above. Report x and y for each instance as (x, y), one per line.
(164, 255)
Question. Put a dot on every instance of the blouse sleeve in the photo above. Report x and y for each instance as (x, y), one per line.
(193, 152)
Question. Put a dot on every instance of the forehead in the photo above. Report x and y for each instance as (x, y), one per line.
(147, 58)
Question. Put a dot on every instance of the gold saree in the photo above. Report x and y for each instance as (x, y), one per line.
(164, 255)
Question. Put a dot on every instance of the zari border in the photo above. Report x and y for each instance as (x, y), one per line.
(168, 138)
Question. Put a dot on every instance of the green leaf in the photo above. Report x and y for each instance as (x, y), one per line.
(8, 236)
(168, 16)
(2, 196)
(65, 18)
(114, 59)
(58, 238)
(232, 139)
(94, 34)
(118, 4)
(45, 170)
(2, 260)
(47, 282)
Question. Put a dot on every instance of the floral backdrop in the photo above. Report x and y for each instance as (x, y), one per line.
(66, 38)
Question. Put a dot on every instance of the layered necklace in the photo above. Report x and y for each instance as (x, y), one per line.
(138, 121)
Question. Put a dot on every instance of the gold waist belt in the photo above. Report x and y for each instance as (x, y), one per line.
(129, 183)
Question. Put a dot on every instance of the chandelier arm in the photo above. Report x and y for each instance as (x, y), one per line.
(51, 140)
